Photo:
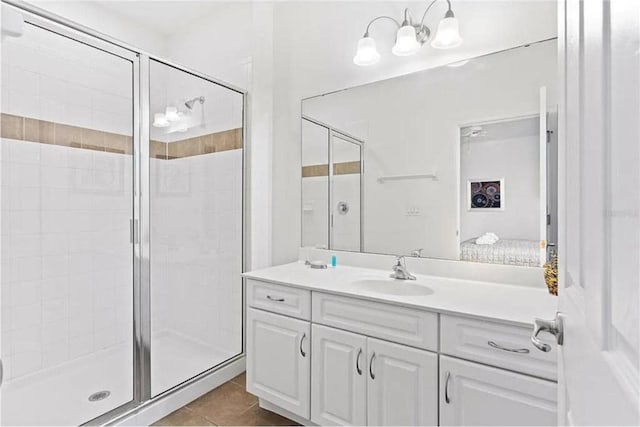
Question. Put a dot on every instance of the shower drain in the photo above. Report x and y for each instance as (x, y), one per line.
(99, 395)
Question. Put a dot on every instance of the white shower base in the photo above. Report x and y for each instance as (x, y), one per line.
(59, 396)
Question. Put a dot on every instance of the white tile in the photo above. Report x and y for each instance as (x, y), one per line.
(80, 345)
(54, 310)
(55, 353)
(54, 266)
(55, 288)
(25, 364)
(26, 315)
(29, 268)
(55, 177)
(26, 340)
(55, 331)
(26, 152)
(25, 293)
(24, 81)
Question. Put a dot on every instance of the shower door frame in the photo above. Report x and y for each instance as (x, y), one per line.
(141, 214)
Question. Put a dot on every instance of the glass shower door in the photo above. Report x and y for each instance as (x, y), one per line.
(66, 204)
(196, 163)
(346, 193)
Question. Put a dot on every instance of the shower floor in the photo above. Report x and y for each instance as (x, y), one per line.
(60, 396)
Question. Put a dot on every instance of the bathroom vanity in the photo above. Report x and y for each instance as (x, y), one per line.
(350, 346)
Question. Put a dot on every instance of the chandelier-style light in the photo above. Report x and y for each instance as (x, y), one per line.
(410, 37)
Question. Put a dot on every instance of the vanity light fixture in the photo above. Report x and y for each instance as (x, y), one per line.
(411, 37)
(160, 120)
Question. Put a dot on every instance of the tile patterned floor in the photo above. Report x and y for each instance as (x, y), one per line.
(228, 405)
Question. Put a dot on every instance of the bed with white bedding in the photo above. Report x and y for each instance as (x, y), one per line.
(504, 251)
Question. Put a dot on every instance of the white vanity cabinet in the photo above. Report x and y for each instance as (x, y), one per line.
(472, 394)
(339, 377)
(358, 380)
(340, 360)
(278, 360)
(403, 385)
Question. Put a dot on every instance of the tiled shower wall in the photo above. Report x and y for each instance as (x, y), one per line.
(66, 257)
(66, 201)
(196, 248)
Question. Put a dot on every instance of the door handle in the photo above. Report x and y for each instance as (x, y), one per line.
(302, 352)
(371, 374)
(358, 370)
(446, 388)
(269, 297)
(511, 350)
(554, 326)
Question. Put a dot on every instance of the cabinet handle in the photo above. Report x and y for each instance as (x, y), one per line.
(512, 350)
(358, 370)
(269, 297)
(371, 374)
(446, 388)
(301, 341)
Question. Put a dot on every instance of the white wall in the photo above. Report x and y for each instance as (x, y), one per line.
(314, 54)
(92, 15)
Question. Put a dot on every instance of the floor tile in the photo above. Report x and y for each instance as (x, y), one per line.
(183, 417)
(228, 405)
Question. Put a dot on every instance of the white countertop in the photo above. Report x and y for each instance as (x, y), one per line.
(508, 303)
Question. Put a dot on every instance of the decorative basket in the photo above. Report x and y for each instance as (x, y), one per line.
(551, 274)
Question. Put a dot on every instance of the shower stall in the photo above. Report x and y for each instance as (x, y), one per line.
(122, 180)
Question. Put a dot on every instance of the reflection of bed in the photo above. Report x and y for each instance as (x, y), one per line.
(507, 251)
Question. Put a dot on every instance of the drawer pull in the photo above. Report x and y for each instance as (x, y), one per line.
(302, 352)
(371, 374)
(358, 370)
(446, 388)
(269, 297)
(511, 350)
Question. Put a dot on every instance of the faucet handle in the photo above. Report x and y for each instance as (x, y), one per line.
(417, 252)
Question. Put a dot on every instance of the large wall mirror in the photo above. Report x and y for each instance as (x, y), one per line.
(455, 162)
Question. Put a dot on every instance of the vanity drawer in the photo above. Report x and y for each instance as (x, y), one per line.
(502, 345)
(403, 325)
(285, 300)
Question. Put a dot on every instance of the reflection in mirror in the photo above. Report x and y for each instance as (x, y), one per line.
(455, 162)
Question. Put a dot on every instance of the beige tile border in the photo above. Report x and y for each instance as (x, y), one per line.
(344, 168)
(45, 132)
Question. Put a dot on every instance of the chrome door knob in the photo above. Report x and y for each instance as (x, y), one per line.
(554, 327)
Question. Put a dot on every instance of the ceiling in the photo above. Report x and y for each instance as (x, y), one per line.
(162, 17)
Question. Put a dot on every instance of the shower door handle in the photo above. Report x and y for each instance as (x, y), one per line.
(1, 372)
(133, 230)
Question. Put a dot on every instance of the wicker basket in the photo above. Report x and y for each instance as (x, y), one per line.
(551, 274)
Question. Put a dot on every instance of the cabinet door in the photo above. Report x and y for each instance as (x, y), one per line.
(278, 355)
(474, 394)
(338, 377)
(402, 388)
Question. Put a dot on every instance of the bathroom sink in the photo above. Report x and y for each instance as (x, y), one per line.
(393, 287)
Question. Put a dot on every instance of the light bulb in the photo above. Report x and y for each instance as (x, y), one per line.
(171, 113)
(367, 54)
(160, 120)
(448, 35)
(406, 41)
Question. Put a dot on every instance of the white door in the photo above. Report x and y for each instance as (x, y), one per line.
(403, 385)
(338, 377)
(472, 394)
(600, 202)
(278, 360)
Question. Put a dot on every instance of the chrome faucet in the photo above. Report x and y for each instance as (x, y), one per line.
(400, 271)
